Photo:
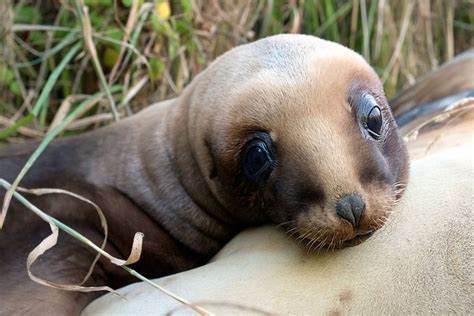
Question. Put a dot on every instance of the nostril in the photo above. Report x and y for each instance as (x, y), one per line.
(344, 210)
(350, 207)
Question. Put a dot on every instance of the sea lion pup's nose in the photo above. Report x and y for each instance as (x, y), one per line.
(351, 207)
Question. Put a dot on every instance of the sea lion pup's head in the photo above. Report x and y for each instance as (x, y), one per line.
(297, 130)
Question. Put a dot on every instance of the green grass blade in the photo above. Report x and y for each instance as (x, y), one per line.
(53, 78)
(6, 132)
(332, 23)
(67, 40)
(342, 11)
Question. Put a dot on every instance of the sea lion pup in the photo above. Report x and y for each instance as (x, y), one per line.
(291, 129)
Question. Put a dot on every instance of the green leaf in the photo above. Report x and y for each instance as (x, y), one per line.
(15, 88)
(157, 67)
(97, 19)
(109, 57)
(186, 6)
(115, 33)
(92, 3)
(127, 3)
(37, 38)
(159, 26)
(183, 27)
(6, 75)
(27, 14)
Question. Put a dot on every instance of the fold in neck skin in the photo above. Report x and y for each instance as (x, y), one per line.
(162, 177)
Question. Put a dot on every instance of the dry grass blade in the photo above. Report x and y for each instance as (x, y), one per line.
(46, 244)
(131, 21)
(379, 29)
(426, 15)
(365, 30)
(90, 120)
(354, 21)
(449, 29)
(103, 221)
(134, 90)
(35, 27)
(400, 41)
(137, 239)
(143, 13)
(64, 109)
(89, 44)
(52, 240)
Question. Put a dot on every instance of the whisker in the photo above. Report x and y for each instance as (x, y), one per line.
(313, 238)
(309, 242)
(316, 238)
(286, 223)
(291, 230)
(321, 245)
(332, 240)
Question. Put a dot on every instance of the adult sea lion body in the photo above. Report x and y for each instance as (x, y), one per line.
(291, 129)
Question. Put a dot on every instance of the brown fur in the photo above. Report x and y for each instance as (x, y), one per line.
(173, 172)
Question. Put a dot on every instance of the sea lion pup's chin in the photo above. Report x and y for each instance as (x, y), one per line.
(296, 130)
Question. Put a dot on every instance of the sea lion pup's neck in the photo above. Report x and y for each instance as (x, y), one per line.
(149, 159)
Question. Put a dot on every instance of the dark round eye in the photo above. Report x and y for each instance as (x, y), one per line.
(374, 122)
(369, 116)
(257, 163)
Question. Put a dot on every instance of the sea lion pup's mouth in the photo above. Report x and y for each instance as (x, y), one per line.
(357, 240)
(354, 241)
(326, 244)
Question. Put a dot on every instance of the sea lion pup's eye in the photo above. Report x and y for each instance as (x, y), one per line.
(374, 122)
(258, 161)
(370, 116)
